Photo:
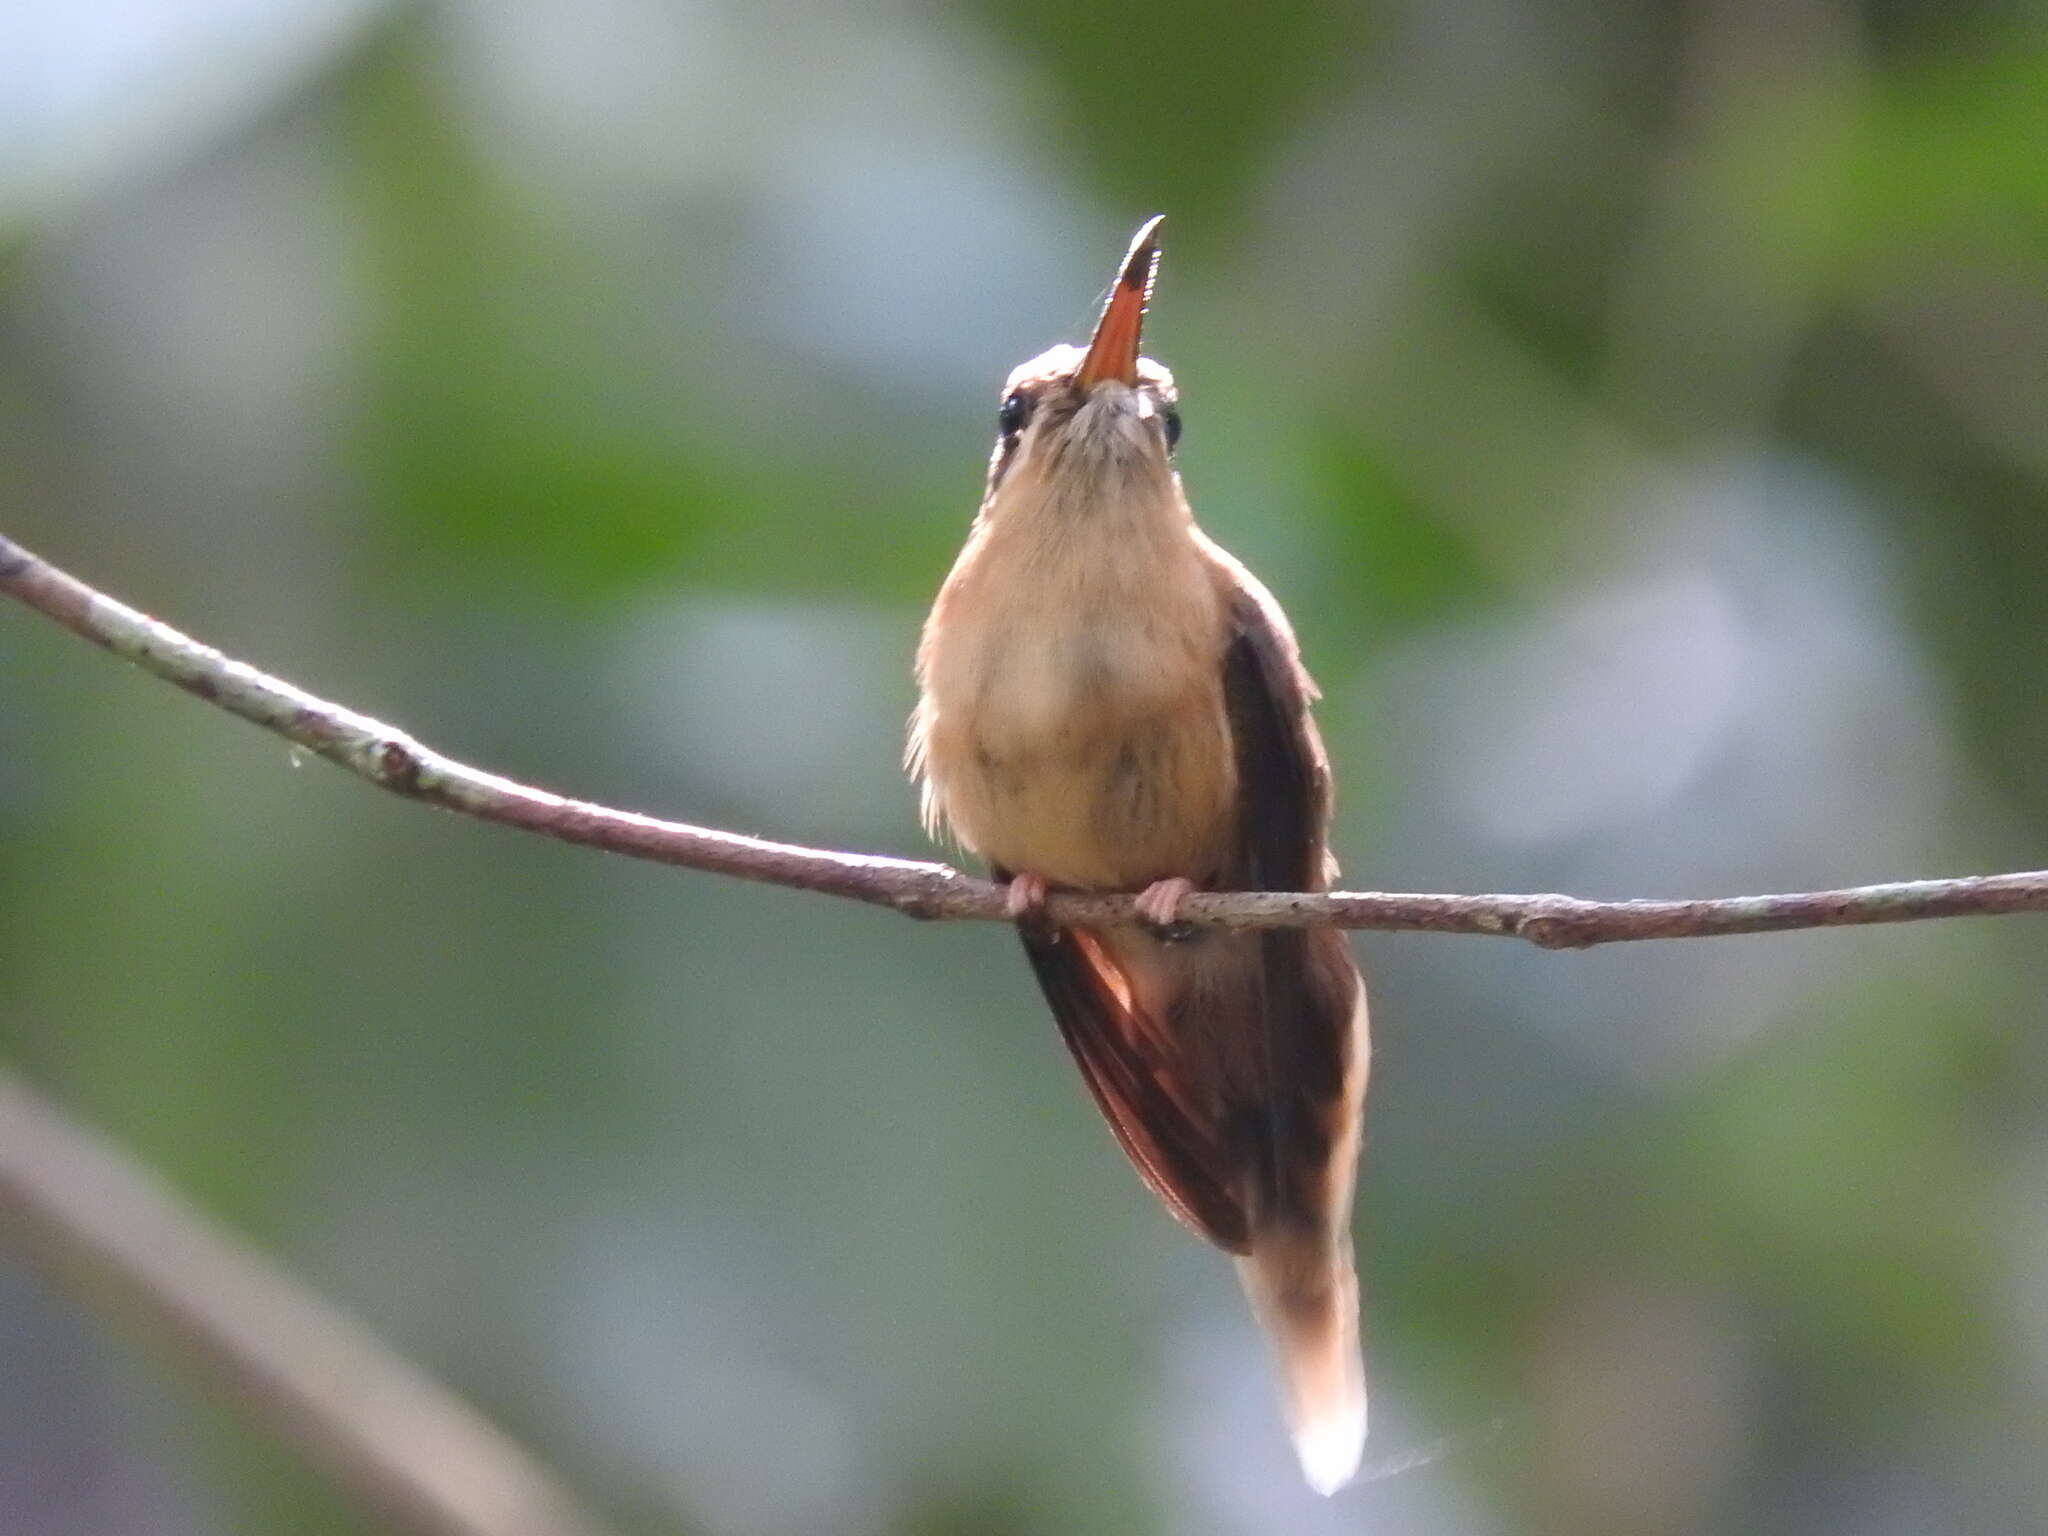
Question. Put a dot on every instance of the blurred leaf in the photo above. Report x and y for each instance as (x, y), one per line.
(486, 427)
(1955, 161)
(1175, 108)
(1839, 1162)
(1394, 565)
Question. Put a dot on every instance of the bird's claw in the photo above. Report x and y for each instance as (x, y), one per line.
(1024, 897)
(1159, 905)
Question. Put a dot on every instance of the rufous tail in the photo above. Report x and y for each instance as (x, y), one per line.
(1304, 1292)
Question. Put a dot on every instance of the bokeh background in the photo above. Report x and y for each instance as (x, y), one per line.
(1641, 407)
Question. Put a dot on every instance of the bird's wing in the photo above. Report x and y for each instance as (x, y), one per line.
(1140, 1085)
(1283, 778)
(1309, 986)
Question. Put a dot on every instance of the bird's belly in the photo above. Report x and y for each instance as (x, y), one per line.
(1090, 774)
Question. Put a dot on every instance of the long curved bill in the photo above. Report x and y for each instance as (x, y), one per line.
(1113, 354)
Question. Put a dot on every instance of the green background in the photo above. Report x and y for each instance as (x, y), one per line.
(1641, 408)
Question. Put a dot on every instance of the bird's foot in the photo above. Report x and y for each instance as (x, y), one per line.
(1024, 898)
(1159, 905)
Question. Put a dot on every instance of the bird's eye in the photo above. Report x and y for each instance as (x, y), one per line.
(1015, 412)
(1170, 417)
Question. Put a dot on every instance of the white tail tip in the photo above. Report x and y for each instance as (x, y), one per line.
(1331, 1448)
(1306, 1298)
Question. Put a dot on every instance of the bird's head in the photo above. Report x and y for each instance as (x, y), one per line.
(1087, 423)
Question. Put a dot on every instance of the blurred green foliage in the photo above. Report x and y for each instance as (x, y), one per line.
(1640, 409)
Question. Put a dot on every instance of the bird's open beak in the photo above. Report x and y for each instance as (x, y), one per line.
(1113, 354)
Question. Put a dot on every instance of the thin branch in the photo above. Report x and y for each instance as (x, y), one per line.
(415, 1458)
(392, 760)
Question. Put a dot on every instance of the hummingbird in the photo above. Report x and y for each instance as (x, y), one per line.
(1109, 701)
